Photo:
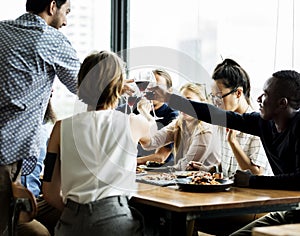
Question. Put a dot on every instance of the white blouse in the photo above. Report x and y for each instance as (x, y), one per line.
(98, 156)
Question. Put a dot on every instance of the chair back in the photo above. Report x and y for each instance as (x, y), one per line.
(24, 203)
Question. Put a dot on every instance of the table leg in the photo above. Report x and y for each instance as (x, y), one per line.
(190, 227)
(178, 224)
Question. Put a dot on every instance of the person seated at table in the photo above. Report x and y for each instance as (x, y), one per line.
(90, 166)
(277, 124)
(231, 92)
(193, 140)
(163, 154)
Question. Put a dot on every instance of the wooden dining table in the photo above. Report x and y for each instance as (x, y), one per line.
(183, 207)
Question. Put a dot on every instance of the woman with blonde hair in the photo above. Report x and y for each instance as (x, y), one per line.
(193, 140)
(90, 164)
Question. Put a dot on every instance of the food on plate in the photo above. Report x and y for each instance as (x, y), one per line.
(203, 178)
(154, 164)
(184, 174)
(162, 176)
(140, 170)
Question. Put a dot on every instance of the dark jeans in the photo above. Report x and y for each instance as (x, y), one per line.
(109, 216)
(273, 218)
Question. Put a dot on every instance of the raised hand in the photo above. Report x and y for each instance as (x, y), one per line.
(231, 135)
(159, 93)
(144, 106)
(127, 88)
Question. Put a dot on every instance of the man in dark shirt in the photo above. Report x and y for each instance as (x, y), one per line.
(278, 126)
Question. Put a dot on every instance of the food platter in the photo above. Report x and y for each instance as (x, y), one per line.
(184, 173)
(185, 185)
(162, 179)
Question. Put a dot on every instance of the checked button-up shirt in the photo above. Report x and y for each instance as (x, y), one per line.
(32, 53)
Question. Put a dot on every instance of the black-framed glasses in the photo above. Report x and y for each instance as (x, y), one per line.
(217, 99)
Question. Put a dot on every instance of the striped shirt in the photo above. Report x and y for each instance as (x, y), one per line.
(252, 147)
(32, 53)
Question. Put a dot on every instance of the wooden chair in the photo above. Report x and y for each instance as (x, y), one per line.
(23, 207)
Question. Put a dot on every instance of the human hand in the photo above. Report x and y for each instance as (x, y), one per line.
(144, 106)
(194, 165)
(159, 93)
(127, 88)
(242, 178)
(231, 135)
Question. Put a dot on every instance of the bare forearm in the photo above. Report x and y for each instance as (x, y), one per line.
(53, 199)
(160, 155)
(243, 160)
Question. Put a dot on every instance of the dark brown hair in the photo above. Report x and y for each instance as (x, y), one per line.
(38, 6)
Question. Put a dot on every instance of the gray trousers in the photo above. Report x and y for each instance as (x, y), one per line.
(109, 216)
(273, 218)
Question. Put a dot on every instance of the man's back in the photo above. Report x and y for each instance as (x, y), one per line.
(31, 54)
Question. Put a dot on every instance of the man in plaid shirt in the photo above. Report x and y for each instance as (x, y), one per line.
(32, 53)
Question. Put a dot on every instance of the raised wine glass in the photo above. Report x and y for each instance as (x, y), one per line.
(131, 101)
(143, 80)
(131, 98)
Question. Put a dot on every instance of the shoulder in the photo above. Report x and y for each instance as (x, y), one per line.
(140, 119)
(62, 42)
(296, 123)
(169, 109)
(168, 113)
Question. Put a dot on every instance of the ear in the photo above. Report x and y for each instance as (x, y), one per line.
(239, 92)
(52, 8)
(283, 102)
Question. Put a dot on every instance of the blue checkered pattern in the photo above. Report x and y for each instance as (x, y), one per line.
(31, 54)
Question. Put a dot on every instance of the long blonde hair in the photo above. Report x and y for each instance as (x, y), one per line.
(200, 91)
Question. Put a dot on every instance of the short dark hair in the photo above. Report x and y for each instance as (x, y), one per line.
(289, 85)
(38, 6)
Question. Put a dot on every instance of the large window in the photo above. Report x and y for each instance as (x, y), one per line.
(262, 36)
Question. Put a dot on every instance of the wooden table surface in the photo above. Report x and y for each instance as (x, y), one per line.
(180, 201)
(187, 206)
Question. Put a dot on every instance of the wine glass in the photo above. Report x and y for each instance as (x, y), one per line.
(131, 99)
(143, 80)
